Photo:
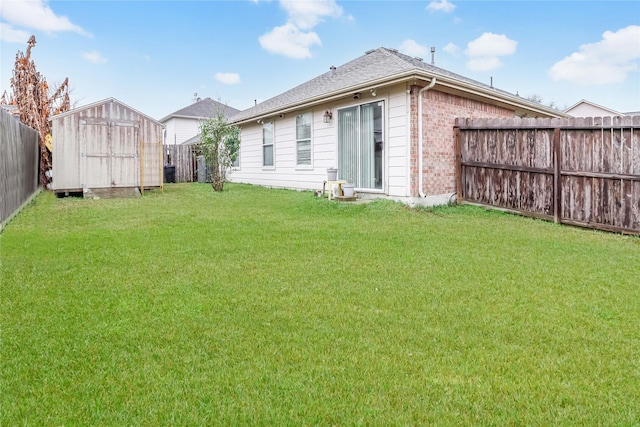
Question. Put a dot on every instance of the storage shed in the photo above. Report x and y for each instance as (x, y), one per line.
(106, 149)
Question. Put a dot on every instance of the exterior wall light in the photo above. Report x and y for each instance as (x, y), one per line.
(327, 116)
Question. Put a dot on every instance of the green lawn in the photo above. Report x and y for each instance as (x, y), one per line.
(272, 307)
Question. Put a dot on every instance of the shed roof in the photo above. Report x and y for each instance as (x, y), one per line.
(201, 110)
(375, 68)
(98, 103)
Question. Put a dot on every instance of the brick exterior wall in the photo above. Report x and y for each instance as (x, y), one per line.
(439, 111)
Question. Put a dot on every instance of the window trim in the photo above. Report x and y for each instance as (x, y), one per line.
(272, 144)
(304, 166)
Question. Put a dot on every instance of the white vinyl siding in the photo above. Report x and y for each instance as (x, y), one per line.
(398, 144)
(267, 145)
(179, 129)
(324, 147)
(303, 139)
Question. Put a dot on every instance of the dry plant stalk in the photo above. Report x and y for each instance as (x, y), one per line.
(36, 101)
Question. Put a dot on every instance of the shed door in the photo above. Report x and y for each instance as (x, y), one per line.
(94, 135)
(124, 154)
(111, 150)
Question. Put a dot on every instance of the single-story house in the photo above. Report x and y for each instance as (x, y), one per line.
(184, 125)
(586, 108)
(384, 120)
(105, 148)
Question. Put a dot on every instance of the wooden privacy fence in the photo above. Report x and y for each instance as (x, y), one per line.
(579, 171)
(182, 157)
(19, 157)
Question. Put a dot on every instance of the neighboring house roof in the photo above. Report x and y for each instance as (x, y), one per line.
(592, 108)
(202, 109)
(379, 67)
(192, 140)
(95, 104)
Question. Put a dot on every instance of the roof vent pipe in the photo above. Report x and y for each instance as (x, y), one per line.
(421, 138)
(433, 55)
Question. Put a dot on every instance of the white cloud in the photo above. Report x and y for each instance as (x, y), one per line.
(412, 48)
(228, 78)
(608, 61)
(307, 14)
(484, 52)
(94, 57)
(451, 49)
(441, 6)
(295, 38)
(289, 41)
(36, 15)
(489, 44)
(11, 35)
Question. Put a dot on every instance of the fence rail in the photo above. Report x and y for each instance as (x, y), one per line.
(19, 157)
(580, 171)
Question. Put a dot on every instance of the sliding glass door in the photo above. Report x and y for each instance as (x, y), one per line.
(360, 145)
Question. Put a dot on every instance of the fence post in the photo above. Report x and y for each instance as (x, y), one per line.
(458, 160)
(141, 168)
(557, 181)
(163, 150)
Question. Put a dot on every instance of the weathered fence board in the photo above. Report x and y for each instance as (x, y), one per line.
(182, 157)
(19, 157)
(582, 171)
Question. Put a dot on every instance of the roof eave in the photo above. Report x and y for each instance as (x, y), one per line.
(330, 96)
(181, 116)
(407, 76)
(511, 101)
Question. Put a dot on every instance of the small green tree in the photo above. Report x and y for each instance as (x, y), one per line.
(220, 142)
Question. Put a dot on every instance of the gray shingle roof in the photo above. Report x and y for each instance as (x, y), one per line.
(373, 67)
(192, 140)
(202, 109)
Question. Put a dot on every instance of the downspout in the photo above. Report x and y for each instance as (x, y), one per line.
(420, 138)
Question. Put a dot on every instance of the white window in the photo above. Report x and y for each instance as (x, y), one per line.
(267, 144)
(303, 139)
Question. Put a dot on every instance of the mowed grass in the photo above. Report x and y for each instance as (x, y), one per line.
(272, 307)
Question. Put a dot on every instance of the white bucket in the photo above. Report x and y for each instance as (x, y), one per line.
(332, 174)
(348, 190)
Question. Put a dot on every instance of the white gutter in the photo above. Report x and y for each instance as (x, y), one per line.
(420, 138)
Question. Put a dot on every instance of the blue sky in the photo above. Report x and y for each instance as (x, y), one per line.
(154, 55)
